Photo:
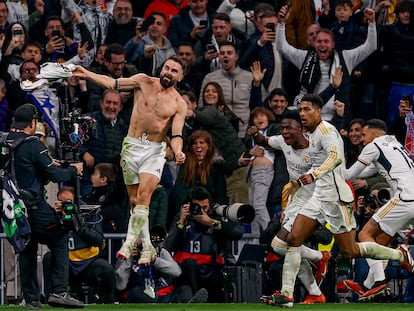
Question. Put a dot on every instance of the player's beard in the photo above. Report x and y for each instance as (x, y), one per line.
(166, 83)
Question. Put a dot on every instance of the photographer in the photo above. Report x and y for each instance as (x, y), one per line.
(34, 167)
(197, 240)
(85, 244)
(367, 205)
(370, 279)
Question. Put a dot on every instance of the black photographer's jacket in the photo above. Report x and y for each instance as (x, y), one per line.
(34, 168)
(202, 243)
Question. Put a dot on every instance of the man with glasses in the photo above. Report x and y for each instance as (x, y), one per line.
(115, 66)
(122, 27)
(34, 168)
(31, 89)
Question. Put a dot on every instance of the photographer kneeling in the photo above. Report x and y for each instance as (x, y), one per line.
(197, 239)
(85, 244)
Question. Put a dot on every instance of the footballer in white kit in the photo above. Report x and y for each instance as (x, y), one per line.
(297, 163)
(393, 163)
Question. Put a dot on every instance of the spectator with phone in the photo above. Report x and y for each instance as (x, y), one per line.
(190, 23)
(61, 48)
(235, 83)
(15, 38)
(30, 14)
(207, 45)
(262, 48)
(154, 48)
(169, 8)
(399, 125)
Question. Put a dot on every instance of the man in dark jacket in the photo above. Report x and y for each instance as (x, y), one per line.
(187, 26)
(105, 146)
(197, 239)
(34, 167)
(122, 27)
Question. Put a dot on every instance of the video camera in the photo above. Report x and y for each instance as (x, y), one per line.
(78, 128)
(236, 212)
(382, 197)
(73, 217)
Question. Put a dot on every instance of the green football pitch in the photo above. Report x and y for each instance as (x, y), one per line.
(235, 307)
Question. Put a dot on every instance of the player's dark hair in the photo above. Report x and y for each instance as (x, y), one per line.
(376, 124)
(200, 193)
(315, 99)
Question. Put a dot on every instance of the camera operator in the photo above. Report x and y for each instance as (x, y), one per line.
(85, 244)
(198, 238)
(34, 167)
(370, 279)
(367, 205)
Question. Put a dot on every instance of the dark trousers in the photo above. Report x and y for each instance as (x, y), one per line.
(202, 276)
(99, 275)
(56, 239)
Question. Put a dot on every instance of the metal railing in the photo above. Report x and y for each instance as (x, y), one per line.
(109, 237)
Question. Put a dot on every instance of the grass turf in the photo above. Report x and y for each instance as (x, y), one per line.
(236, 307)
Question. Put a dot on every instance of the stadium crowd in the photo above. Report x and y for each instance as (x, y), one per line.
(246, 65)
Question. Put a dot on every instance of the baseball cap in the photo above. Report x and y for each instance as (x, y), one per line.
(24, 115)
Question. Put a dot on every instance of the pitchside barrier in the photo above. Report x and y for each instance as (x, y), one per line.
(13, 276)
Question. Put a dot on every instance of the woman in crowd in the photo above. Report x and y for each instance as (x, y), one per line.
(200, 169)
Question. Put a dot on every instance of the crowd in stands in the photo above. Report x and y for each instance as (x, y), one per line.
(244, 65)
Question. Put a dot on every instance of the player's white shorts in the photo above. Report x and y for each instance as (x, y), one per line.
(394, 215)
(291, 211)
(339, 215)
(139, 155)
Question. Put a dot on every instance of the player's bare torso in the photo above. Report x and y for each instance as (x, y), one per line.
(153, 109)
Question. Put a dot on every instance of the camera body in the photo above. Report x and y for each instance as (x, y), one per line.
(73, 217)
(195, 209)
(382, 197)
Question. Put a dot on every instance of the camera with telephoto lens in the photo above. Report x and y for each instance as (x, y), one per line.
(382, 197)
(236, 212)
(195, 209)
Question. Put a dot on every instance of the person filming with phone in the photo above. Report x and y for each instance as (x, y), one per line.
(207, 46)
(62, 48)
(262, 48)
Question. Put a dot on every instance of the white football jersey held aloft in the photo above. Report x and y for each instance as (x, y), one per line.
(393, 163)
(326, 151)
(298, 163)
